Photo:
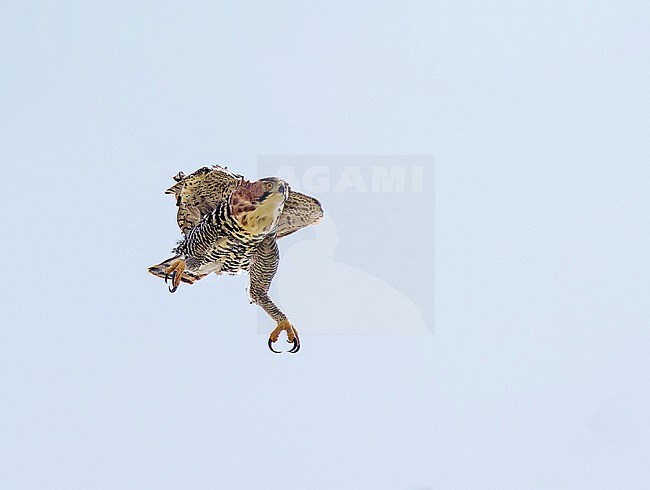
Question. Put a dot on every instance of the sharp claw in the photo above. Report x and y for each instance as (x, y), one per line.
(296, 346)
(166, 277)
(272, 349)
(173, 290)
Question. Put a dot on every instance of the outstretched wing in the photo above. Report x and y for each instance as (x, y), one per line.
(299, 211)
(197, 194)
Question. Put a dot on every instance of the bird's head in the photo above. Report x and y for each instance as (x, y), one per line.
(256, 206)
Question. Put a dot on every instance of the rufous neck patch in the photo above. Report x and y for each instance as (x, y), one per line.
(248, 191)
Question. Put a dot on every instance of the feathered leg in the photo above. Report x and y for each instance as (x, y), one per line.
(263, 267)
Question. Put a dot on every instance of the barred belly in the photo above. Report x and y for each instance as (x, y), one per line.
(218, 244)
(234, 254)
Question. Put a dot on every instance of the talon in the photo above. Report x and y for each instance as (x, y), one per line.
(176, 271)
(174, 286)
(296, 346)
(272, 349)
(292, 336)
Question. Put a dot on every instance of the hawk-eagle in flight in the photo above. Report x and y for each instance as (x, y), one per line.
(231, 225)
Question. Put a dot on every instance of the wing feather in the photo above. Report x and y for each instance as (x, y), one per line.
(299, 211)
(197, 194)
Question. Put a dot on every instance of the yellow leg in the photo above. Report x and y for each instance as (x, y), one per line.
(176, 271)
(292, 336)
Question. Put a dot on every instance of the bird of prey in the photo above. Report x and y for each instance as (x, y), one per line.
(231, 225)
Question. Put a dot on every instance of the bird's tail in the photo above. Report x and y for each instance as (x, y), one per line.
(162, 270)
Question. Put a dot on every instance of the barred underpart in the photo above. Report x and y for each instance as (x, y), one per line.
(219, 239)
(263, 267)
(231, 225)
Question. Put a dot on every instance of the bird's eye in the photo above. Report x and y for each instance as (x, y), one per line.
(269, 186)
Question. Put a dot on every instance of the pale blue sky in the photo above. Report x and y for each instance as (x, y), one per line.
(537, 373)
